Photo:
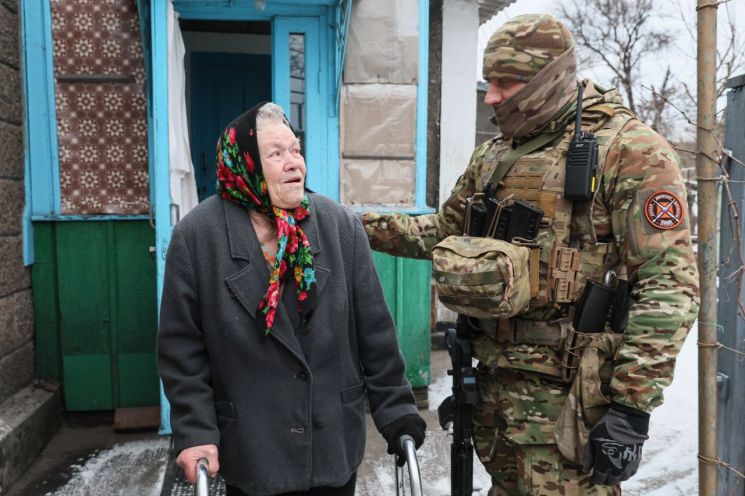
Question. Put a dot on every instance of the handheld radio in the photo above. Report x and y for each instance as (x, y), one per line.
(582, 157)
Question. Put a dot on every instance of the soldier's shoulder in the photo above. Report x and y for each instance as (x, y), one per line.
(643, 152)
(484, 148)
(637, 135)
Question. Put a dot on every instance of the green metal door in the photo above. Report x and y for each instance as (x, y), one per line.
(94, 299)
(406, 285)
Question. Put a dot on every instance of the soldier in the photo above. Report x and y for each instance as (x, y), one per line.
(541, 427)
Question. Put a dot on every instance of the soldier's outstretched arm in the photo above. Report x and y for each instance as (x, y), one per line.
(646, 196)
(414, 236)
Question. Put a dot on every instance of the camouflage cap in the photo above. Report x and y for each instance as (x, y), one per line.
(524, 45)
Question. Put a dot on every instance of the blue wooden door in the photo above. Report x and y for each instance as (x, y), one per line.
(223, 85)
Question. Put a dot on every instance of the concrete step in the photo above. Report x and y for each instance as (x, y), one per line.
(28, 420)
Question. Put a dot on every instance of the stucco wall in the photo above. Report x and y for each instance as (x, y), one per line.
(378, 103)
(16, 314)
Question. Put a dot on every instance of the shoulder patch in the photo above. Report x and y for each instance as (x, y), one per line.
(664, 210)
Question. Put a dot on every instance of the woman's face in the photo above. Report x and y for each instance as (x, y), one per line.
(284, 166)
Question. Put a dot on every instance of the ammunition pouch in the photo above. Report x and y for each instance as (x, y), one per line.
(589, 395)
(564, 272)
(484, 278)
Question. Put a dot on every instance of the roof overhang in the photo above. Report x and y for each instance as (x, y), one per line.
(488, 8)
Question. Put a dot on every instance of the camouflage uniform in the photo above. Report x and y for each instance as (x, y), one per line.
(635, 224)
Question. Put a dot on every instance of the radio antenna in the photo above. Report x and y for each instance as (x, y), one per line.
(578, 117)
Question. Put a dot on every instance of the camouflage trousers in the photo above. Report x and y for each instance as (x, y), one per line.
(513, 436)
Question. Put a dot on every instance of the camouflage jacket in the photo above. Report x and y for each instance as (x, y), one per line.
(641, 190)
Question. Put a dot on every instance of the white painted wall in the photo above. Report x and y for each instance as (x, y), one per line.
(460, 25)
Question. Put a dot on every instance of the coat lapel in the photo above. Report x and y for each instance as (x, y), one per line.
(249, 284)
(320, 262)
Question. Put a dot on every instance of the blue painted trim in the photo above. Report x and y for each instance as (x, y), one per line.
(244, 10)
(281, 63)
(331, 160)
(421, 105)
(41, 160)
(322, 159)
(159, 158)
(342, 14)
(393, 210)
(325, 111)
(66, 218)
(28, 230)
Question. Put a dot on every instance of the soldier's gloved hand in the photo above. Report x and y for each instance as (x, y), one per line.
(413, 425)
(614, 449)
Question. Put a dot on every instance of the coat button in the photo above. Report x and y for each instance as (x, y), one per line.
(302, 376)
(318, 424)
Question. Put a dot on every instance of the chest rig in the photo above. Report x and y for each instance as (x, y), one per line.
(567, 251)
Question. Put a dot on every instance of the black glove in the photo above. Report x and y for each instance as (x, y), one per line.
(614, 449)
(413, 425)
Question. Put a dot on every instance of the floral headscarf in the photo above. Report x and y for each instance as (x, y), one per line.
(240, 179)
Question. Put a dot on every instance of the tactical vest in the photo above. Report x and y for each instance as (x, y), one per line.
(567, 252)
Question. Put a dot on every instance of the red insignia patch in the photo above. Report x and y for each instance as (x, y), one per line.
(664, 210)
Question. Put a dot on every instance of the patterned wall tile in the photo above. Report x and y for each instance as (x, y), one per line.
(101, 124)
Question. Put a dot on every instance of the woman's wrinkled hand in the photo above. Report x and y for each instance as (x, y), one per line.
(189, 457)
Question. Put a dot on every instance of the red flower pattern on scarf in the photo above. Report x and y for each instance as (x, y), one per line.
(241, 180)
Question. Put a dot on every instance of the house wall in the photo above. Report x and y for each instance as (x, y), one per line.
(101, 107)
(379, 154)
(94, 277)
(460, 23)
(16, 312)
(379, 104)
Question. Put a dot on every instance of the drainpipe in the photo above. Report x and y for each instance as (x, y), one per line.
(706, 168)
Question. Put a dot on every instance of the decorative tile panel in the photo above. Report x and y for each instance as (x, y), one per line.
(101, 107)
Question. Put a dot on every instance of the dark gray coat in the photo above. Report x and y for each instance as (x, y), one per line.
(285, 416)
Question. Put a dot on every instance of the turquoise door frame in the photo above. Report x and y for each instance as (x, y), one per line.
(323, 166)
(306, 17)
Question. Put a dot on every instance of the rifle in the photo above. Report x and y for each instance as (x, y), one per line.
(457, 409)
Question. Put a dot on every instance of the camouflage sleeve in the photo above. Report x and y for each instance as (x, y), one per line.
(647, 199)
(414, 236)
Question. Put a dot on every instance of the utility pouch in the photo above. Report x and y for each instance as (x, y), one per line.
(589, 395)
(484, 278)
(475, 217)
(511, 219)
(525, 219)
(591, 310)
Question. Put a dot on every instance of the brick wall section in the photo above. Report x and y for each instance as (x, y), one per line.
(16, 312)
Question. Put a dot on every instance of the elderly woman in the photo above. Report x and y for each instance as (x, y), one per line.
(273, 327)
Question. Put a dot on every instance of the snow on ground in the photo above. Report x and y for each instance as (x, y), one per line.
(669, 466)
(124, 469)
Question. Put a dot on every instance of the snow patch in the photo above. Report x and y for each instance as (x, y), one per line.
(137, 467)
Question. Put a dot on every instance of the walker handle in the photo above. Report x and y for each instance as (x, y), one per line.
(202, 486)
